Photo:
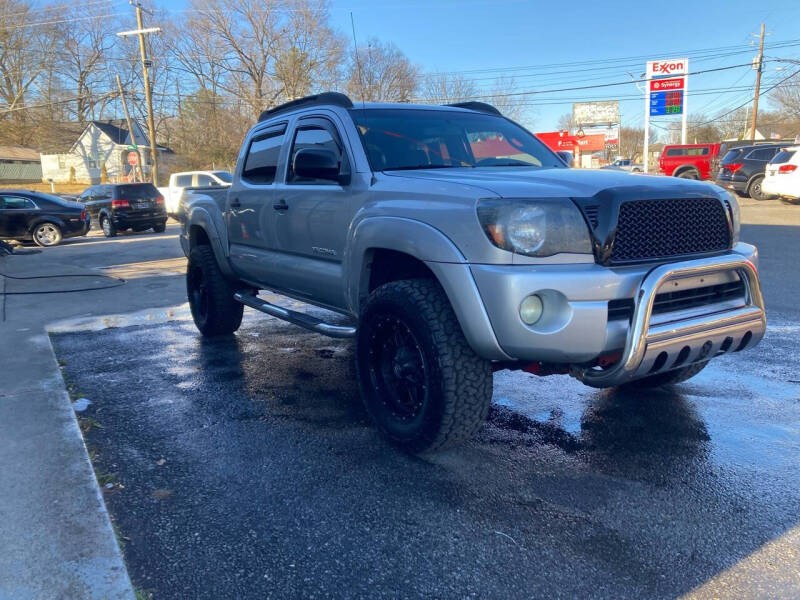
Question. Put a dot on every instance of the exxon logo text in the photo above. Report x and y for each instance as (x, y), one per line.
(665, 68)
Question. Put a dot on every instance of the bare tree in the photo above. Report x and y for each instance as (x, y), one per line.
(82, 61)
(505, 96)
(566, 122)
(310, 52)
(444, 88)
(23, 58)
(380, 72)
(787, 96)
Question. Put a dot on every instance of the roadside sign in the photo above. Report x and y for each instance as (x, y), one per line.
(666, 103)
(133, 159)
(133, 147)
(665, 95)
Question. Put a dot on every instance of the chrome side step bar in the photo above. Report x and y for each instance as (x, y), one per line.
(297, 318)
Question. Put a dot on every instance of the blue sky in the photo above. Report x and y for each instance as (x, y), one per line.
(480, 37)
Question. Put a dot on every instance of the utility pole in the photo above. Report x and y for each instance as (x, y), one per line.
(151, 128)
(128, 120)
(146, 74)
(760, 60)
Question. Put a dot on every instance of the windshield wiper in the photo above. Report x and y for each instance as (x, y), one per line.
(419, 167)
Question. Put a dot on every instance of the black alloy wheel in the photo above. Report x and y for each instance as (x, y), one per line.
(397, 369)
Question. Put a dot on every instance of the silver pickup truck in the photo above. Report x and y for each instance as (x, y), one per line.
(456, 244)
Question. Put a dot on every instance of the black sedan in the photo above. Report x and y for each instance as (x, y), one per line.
(42, 218)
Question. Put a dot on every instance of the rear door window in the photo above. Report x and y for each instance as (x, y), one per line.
(16, 203)
(261, 162)
(763, 154)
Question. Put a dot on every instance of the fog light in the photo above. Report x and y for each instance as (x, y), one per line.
(530, 310)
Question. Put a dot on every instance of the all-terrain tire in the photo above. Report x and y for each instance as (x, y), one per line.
(214, 310)
(457, 383)
(669, 377)
(688, 174)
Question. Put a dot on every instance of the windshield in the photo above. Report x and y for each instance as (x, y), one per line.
(429, 139)
(223, 176)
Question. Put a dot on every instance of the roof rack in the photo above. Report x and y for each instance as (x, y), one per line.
(478, 106)
(334, 98)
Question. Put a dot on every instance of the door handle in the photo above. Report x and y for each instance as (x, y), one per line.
(235, 203)
(281, 205)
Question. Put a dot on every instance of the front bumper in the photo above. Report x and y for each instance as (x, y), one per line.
(651, 348)
(575, 328)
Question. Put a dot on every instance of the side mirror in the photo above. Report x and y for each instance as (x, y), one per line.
(565, 156)
(317, 163)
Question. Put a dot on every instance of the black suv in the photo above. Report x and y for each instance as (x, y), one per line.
(742, 169)
(120, 206)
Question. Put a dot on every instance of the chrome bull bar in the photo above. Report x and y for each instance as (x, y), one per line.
(650, 349)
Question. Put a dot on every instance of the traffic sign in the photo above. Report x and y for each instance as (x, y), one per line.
(133, 147)
(133, 159)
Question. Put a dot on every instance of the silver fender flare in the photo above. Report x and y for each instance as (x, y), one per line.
(199, 216)
(442, 257)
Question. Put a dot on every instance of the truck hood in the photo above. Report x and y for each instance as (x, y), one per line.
(523, 182)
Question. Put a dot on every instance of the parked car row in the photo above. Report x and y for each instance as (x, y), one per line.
(742, 166)
(46, 219)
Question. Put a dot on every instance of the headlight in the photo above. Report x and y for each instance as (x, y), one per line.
(736, 216)
(535, 227)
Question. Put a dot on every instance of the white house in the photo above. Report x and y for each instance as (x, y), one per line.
(102, 144)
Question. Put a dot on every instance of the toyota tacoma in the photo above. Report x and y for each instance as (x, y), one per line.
(453, 244)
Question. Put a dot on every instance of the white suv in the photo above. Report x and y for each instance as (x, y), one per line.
(782, 176)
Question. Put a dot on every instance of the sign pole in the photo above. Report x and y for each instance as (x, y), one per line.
(647, 122)
(685, 98)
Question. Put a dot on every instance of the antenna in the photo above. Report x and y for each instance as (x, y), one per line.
(358, 62)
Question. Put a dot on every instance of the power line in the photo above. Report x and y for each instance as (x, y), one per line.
(769, 89)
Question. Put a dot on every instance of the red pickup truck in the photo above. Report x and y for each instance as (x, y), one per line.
(690, 161)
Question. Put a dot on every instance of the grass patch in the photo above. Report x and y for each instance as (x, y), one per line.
(86, 424)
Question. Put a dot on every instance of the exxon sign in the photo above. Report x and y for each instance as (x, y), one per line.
(667, 68)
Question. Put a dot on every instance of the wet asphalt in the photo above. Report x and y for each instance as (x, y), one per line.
(246, 468)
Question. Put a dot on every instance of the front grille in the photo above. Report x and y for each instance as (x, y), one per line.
(652, 229)
(680, 300)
